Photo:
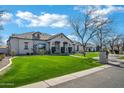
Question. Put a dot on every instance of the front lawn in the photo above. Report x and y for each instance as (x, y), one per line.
(88, 54)
(29, 69)
(121, 58)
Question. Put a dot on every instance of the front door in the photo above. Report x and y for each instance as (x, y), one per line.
(70, 49)
(62, 49)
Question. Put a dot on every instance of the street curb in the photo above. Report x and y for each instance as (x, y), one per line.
(65, 78)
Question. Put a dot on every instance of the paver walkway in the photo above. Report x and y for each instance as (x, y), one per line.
(4, 62)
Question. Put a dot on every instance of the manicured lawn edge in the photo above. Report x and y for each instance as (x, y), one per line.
(59, 74)
(122, 58)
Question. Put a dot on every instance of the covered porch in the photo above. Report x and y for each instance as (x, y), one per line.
(58, 47)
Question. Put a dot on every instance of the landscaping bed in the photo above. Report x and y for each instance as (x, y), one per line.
(30, 69)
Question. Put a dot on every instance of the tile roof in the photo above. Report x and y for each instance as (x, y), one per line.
(43, 36)
(3, 46)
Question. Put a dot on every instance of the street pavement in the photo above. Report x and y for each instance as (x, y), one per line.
(112, 77)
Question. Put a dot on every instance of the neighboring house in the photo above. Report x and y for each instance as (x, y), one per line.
(34, 42)
(91, 47)
(3, 50)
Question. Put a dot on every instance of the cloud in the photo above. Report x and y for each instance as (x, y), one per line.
(5, 18)
(103, 9)
(19, 22)
(100, 12)
(43, 20)
(3, 39)
(73, 37)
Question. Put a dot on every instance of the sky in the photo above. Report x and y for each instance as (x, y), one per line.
(51, 19)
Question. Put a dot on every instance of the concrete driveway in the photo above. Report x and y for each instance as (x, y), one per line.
(112, 77)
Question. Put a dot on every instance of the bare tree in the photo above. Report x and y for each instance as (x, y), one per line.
(91, 25)
(82, 27)
(103, 31)
(112, 41)
(122, 38)
(118, 44)
(1, 14)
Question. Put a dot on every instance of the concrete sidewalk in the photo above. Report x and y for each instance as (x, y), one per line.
(65, 78)
(112, 77)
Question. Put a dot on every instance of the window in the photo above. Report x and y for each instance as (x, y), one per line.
(38, 36)
(65, 44)
(26, 45)
(77, 47)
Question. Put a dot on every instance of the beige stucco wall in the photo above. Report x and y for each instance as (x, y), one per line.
(4, 50)
(70, 44)
(13, 45)
(17, 45)
(61, 40)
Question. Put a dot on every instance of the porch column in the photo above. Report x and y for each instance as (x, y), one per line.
(65, 44)
(49, 44)
(73, 47)
(57, 46)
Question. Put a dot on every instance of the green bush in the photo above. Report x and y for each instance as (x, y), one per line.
(2, 56)
(42, 51)
(13, 53)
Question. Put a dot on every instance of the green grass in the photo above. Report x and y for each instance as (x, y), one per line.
(29, 69)
(121, 58)
(88, 54)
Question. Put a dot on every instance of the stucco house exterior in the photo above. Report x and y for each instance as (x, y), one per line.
(4, 49)
(34, 42)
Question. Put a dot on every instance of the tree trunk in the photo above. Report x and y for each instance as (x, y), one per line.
(123, 47)
(118, 49)
(84, 51)
(112, 49)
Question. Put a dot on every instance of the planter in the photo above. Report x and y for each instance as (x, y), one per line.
(103, 58)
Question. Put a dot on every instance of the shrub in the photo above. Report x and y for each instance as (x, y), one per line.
(42, 51)
(2, 56)
(13, 53)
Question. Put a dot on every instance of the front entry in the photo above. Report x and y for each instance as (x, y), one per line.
(62, 49)
(40, 48)
(70, 49)
(57, 47)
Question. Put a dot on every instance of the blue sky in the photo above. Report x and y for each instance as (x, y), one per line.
(51, 19)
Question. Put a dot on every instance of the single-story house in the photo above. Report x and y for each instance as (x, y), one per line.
(3, 50)
(34, 42)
